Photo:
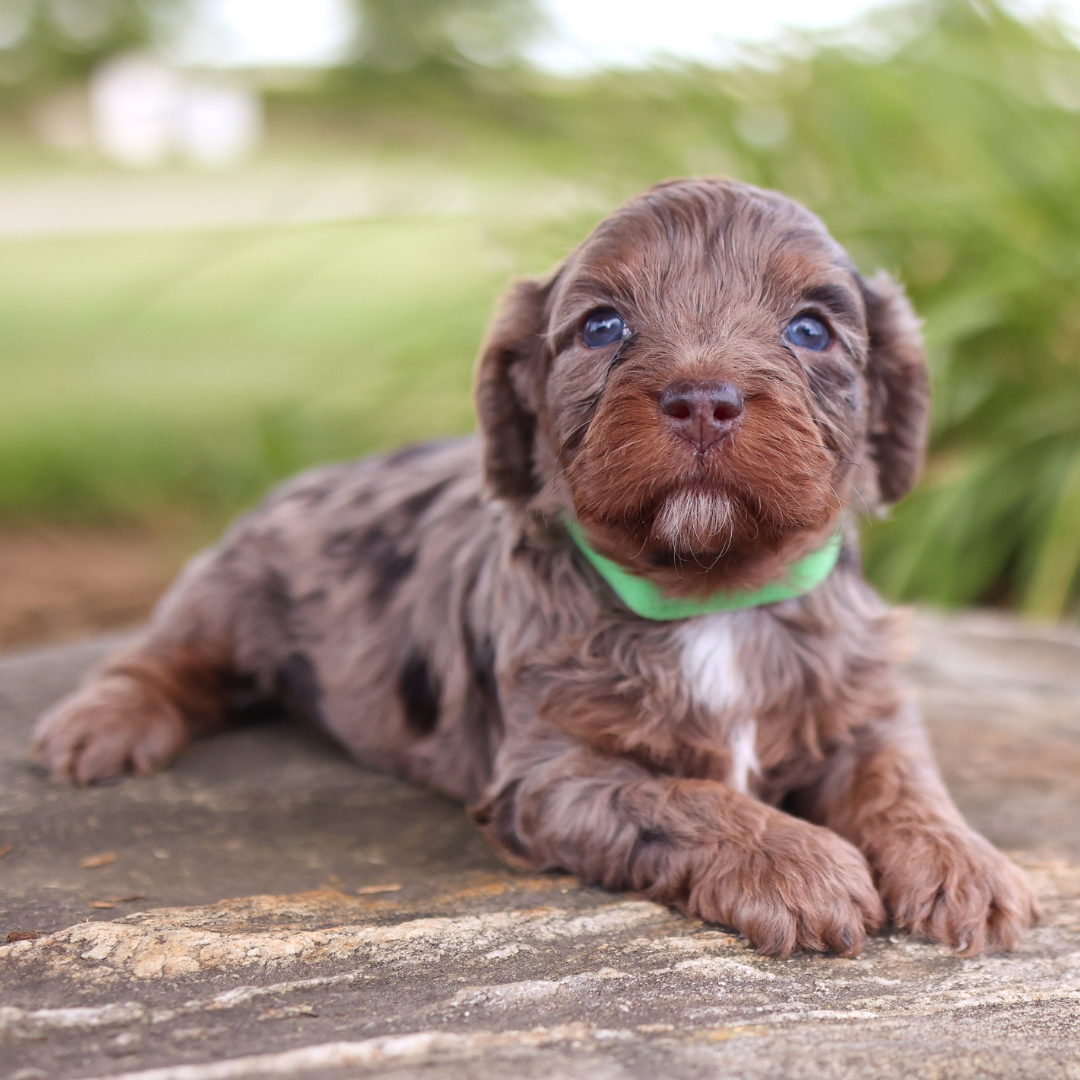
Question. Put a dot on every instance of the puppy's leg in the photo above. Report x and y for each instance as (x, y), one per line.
(143, 707)
(940, 880)
(695, 844)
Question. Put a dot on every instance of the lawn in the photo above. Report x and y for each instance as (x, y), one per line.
(143, 371)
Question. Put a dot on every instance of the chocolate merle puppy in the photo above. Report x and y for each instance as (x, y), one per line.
(627, 624)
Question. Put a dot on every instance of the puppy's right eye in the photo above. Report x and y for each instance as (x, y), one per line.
(604, 326)
(808, 332)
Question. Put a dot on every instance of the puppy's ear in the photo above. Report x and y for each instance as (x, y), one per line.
(508, 378)
(899, 387)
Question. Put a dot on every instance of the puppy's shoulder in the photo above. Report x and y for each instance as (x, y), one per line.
(411, 480)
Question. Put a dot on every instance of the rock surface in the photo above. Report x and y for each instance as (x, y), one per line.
(375, 935)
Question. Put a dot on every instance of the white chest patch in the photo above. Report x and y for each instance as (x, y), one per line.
(744, 759)
(710, 662)
(710, 666)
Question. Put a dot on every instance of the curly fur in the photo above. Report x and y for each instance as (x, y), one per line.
(758, 768)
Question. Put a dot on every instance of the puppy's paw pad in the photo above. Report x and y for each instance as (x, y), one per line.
(111, 726)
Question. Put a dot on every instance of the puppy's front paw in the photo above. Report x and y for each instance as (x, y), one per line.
(112, 726)
(801, 887)
(947, 884)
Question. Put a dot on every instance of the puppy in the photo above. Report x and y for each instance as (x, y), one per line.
(626, 625)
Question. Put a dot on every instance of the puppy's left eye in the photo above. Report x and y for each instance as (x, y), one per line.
(604, 326)
(808, 332)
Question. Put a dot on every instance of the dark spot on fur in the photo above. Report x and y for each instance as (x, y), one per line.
(341, 545)
(416, 504)
(419, 693)
(481, 660)
(481, 717)
(276, 599)
(298, 686)
(649, 845)
(376, 550)
(310, 496)
(390, 565)
(412, 453)
(387, 549)
(309, 490)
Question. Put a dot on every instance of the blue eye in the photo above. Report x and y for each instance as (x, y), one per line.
(604, 326)
(807, 332)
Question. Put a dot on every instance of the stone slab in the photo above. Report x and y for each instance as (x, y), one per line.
(302, 916)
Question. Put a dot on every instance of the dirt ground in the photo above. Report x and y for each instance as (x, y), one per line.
(62, 583)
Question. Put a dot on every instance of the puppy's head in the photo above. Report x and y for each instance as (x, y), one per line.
(705, 383)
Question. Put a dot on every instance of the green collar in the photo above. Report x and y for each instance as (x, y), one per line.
(645, 599)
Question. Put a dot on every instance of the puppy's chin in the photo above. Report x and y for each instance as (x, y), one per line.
(692, 523)
(699, 541)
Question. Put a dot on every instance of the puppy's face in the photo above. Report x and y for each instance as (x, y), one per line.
(706, 382)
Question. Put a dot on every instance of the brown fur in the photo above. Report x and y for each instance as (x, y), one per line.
(759, 768)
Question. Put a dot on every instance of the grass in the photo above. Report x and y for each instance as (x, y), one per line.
(152, 370)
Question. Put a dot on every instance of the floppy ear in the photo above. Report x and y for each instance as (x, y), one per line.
(899, 387)
(507, 377)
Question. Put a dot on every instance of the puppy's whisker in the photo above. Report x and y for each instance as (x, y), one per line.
(588, 408)
(822, 422)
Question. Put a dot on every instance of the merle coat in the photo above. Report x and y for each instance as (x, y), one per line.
(759, 768)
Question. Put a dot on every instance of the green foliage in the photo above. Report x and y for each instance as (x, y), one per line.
(143, 372)
(44, 43)
(399, 35)
(941, 142)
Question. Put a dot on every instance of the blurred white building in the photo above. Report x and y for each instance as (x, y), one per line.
(145, 113)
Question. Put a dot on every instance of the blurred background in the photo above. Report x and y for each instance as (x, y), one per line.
(239, 237)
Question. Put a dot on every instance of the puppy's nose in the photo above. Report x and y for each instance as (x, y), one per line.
(701, 412)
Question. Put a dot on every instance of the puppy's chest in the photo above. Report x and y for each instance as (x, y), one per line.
(707, 651)
(737, 677)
